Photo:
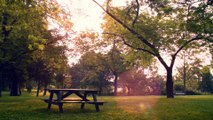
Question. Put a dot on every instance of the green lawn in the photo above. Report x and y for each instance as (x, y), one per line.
(28, 107)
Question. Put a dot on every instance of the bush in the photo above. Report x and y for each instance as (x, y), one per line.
(178, 86)
(163, 92)
(193, 92)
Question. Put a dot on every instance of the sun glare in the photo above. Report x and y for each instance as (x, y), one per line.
(87, 15)
(136, 104)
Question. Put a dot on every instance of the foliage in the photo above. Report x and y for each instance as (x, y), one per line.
(193, 92)
(116, 65)
(200, 22)
(115, 61)
(206, 83)
(114, 31)
(139, 82)
(49, 66)
(191, 70)
(91, 72)
(21, 26)
(178, 86)
(24, 26)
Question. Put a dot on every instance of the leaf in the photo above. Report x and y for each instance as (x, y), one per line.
(30, 47)
(41, 47)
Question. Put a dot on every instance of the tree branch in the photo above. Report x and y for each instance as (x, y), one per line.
(107, 5)
(137, 13)
(162, 61)
(137, 48)
(14, 58)
(140, 37)
(184, 45)
(131, 46)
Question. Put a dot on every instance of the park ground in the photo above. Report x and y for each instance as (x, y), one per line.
(29, 107)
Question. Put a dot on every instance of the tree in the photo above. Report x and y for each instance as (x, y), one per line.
(165, 29)
(116, 64)
(91, 71)
(210, 2)
(16, 36)
(23, 27)
(49, 65)
(39, 72)
(114, 59)
(206, 83)
(139, 82)
(189, 75)
(189, 70)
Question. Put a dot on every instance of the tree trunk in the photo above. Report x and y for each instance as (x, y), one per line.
(45, 89)
(184, 79)
(184, 74)
(100, 91)
(169, 84)
(129, 91)
(38, 88)
(1, 84)
(124, 89)
(0, 88)
(115, 83)
(14, 88)
(1, 81)
(20, 91)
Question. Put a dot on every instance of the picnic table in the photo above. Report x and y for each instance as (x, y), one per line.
(62, 94)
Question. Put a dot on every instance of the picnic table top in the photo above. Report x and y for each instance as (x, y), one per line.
(73, 90)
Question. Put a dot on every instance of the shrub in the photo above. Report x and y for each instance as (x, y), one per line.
(193, 92)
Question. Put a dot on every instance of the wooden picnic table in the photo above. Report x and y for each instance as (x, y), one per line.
(62, 94)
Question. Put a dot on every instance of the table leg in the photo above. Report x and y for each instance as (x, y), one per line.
(59, 98)
(50, 100)
(96, 104)
(82, 105)
(84, 99)
(60, 106)
(58, 94)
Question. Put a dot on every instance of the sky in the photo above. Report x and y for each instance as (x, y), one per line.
(86, 15)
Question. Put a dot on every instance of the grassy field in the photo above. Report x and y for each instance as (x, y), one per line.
(28, 107)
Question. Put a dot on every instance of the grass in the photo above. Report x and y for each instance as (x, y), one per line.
(28, 107)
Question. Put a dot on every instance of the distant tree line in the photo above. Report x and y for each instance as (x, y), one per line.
(93, 71)
(199, 81)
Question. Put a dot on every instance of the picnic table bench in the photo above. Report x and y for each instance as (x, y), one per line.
(62, 94)
(179, 93)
